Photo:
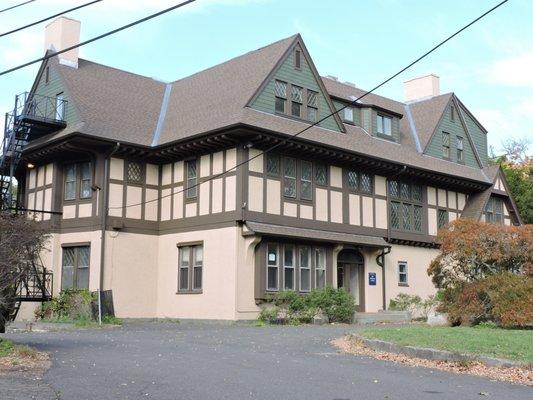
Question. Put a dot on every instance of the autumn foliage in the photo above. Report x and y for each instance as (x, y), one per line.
(485, 272)
(473, 250)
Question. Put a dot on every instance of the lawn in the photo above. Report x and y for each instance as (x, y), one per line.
(493, 342)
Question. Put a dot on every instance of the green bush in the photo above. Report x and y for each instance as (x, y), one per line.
(505, 299)
(71, 304)
(414, 304)
(294, 308)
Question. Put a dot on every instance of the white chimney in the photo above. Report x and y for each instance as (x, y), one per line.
(421, 87)
(60, 34)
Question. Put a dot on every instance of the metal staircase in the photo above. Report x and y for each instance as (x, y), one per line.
(32, 117)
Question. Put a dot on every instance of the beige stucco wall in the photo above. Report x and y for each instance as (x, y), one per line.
(373, 294)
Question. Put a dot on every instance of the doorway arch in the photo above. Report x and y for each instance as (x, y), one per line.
(350, 275)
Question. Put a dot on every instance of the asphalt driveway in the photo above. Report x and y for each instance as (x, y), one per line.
(209, 361)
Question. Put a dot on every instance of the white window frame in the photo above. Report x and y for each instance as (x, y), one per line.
(348, 114)
(286, 266)
(307, 268)
(405, 272)
(269, 266)
(318, 267)
(381, 121)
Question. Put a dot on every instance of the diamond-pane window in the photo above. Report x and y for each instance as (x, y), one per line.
(306, 189)
(393, 189)
(297, 94)
(312, 114)
(352, 180)
(395, 215)
(192, 182)
(366, 183)
(442, 218)
(289, 180)
(417, 218)
(405, 191)
(134, 172)
(272, 164)
(280, 89)
(406, 216)
(321, 174)
(75, 268)
(70, 182)
(416, 192)
(312, 98)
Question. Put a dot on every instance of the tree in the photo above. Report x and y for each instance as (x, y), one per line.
(519, 177)
(516, 150)
(473, 250)
(21, 241)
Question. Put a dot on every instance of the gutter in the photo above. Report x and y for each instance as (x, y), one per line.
(105, 199)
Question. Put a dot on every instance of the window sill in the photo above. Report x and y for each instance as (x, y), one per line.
(300, 119)
(190, 292)
(386, 137)
(403, 284)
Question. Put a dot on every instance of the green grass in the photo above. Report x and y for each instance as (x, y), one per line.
(6, 347)
(488, 341)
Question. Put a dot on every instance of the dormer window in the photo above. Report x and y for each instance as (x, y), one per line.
(348, 114)
(297, 59)
(280, 90)
(384, 125)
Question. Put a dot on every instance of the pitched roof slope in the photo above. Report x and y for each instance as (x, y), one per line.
(216, 97)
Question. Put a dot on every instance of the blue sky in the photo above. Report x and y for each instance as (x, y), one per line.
(489, 66)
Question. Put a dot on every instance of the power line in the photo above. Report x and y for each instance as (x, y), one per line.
(354, 102)
(16, 5)
(50, 55)
(50, 17)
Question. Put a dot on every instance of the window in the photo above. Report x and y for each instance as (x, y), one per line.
(78, 176)
(312, 105)
(272, 267)
(305, 269)
(445, 145)
(75, 270)
(460, 148)
(402, 273)
(405, 206)
(348, 114)
(296, 101)
(306, 184)
(190, 274)
(384, 125)
(86, 179)
(192, 179)
(452, 112)
(294, 267)
(280, 90)
(289, 177)
(134, 172)
(70, 182)
(297, 59)
(321, 174)
(494, 210)
(60, 107)
(320, 268)
(288, 267)
(272, 166)
(442, 218)
(359, 181)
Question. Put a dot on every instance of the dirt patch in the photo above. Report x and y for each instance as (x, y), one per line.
(524, 376)
(24, 359)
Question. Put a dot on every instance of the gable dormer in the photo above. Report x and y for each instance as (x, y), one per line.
(295, 90)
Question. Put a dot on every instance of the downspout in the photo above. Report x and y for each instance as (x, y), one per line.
(104, 210)
(380, 259)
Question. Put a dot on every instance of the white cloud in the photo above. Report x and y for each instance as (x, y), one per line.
(513, 71)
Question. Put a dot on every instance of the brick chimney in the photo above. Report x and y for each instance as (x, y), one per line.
(421, 87)
(60, 34)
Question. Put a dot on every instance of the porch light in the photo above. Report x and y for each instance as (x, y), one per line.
(30, 166)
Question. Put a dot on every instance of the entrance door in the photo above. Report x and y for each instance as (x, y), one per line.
(350, 276)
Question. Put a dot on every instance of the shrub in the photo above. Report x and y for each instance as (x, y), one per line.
(294, 308)
(505, 299)
(71, 304)
(414, 304)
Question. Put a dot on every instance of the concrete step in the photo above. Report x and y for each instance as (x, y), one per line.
(381, 316)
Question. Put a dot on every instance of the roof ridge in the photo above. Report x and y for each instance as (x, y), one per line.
(120, 70)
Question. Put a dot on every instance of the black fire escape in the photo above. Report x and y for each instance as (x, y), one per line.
(33, 116)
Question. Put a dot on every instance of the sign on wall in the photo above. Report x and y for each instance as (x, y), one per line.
(372, 279)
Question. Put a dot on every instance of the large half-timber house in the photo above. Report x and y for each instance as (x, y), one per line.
(354, 202)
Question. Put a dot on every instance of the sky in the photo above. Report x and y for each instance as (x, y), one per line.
(489, 66)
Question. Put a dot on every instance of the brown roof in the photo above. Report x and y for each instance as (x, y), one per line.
(126, 107)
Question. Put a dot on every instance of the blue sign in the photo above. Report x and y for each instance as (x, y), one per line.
(372, 279)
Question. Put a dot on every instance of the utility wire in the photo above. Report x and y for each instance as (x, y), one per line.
(94, 39)
(354, 102)
(47, 18)
(16, 5)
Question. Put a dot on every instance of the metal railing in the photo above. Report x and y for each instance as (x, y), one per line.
(35, 286)
(52, 109)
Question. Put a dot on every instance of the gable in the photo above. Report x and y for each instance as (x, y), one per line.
(455, 128)
(49, 83)
(305, 77)
(477, 134)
